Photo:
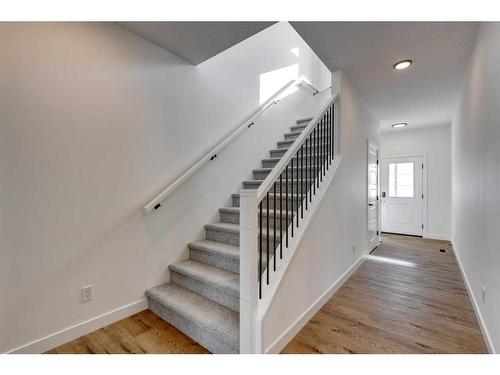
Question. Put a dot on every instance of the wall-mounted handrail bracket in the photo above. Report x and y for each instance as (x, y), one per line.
(274, 99)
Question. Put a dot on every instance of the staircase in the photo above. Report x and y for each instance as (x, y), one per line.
(202, 297)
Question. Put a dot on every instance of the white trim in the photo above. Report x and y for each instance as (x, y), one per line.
(423, 155)
(302, 320)
(376, 146)
(475, 306)
(425, 192)
(249, 265)
(67, 334)
(433, 236)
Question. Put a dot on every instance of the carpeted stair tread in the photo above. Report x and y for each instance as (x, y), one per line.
(303, 166)
(237, 195)
(304, 120)
(213, 276)
(199, 311)
(288, 142)
(235, 229)
(278, 158)
(236, 210)
(216, 247)
(293, 134)
(223, 227)
(290, 181)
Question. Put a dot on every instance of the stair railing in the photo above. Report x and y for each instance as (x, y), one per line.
(289, 189)
(155, 203)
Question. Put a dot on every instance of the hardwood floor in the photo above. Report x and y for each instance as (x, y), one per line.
(407, 297)
(143, 332)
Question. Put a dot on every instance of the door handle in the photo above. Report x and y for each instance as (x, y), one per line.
(383, 194)
(371, 204)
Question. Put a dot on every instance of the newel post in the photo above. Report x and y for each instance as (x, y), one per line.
(248, 270)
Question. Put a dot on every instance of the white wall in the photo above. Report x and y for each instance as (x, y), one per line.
(94, 122)
(476, 179)
(435, 142)
(341, 222)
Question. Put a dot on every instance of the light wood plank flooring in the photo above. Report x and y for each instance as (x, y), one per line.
(407, 297)
(143, 332)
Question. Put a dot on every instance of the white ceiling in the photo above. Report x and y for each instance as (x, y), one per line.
(195, 41)
(426, 93)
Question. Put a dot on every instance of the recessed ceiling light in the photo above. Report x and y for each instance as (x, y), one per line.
(403, 64)
(400, 125)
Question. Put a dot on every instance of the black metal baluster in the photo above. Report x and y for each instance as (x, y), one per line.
(281, 215)
(274, 227)
(327, 157)
(260, 250)
(292, 200)
(301, 181)
(333, 131)
(286, 204)
(306, 171)
(322, 145)
(297, 178)
(325, 162)
(320, 130)
(313, 161)
(318, 163)
(310, 167)
(267, 239)
(317, 154)
(325, 145)
(330, 137)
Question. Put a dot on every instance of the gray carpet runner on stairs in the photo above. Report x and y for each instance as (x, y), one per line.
(202, 297)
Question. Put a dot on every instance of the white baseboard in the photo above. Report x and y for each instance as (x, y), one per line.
(433, 236)
(80, 329)
(475, 306)
(278, 345)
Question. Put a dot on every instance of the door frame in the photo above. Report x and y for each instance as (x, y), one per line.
(423, 155)
(377, 147)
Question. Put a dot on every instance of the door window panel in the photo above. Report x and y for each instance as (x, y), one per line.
(401, 180)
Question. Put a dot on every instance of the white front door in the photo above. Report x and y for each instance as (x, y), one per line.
(373, 231)
(401, 195)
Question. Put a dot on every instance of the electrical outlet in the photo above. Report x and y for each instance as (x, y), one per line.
(483, 294)
(87, 294)
(353, 248)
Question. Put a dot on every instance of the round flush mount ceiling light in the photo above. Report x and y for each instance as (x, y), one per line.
(403, 64)
(400, 125)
